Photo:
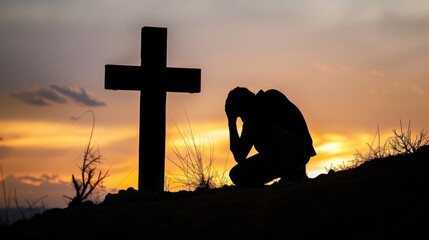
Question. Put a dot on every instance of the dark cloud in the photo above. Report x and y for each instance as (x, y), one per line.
(56, 94)
(39, 96)
(30, 98)
(78, 95)
(51, 95)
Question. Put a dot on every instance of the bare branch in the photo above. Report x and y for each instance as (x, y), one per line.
(86, 185)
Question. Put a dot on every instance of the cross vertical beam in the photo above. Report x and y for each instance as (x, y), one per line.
(152, 111)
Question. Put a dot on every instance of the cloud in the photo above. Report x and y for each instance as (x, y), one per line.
(30, 98)
(44, 96)
(51, 95)
(47, 189)
(44, 178)
(79, 95)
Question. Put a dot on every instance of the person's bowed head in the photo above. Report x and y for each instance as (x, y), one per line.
(239, 103)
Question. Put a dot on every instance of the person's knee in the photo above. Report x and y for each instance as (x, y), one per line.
(238, 176)
(234, 174)
(242, 177)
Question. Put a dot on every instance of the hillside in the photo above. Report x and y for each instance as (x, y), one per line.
(381, 199)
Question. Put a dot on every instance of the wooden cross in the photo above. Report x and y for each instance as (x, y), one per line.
(153, 79)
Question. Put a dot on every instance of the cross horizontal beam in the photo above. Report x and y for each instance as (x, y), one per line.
(138, 78)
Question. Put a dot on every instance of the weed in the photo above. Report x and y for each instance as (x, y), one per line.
(6, 215)
(374, 151)
(4, 208)
(91, 178)
(402, 142)
(197, 171)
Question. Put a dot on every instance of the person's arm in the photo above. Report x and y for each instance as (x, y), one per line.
(239, 146)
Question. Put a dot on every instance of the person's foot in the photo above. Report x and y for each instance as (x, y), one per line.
(287, 181)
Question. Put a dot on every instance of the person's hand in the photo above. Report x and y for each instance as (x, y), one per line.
(230, 112)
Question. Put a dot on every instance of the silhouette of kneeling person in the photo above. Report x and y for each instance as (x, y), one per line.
(277, 130)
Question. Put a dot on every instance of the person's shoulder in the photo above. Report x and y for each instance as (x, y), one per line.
(273, 98)
(272, 94)
(269, 92)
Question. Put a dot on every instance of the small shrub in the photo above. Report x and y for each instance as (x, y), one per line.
(402, 142)
(91, 178)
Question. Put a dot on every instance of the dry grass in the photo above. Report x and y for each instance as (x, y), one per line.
(6, 208)
(402, 142)
(196, 166)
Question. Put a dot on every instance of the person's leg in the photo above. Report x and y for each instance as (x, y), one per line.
(252, 172)
(293, 171)
(287, 154)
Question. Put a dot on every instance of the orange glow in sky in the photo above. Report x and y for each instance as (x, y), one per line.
(350, 66)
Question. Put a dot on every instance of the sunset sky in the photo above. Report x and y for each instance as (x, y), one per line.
(349, 66)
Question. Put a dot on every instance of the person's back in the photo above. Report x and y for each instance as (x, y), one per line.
(275, 110)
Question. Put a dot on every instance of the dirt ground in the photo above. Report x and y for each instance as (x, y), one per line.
(381, 199)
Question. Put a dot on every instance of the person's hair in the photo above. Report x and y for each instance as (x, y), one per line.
(240, 99)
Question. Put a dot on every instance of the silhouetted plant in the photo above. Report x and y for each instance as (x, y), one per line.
(4, 207)
(32, 207)
(91, 178)
(403, 141)
(374, 151)
(198, 172)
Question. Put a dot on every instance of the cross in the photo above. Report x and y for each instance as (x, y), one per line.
(153, 79)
